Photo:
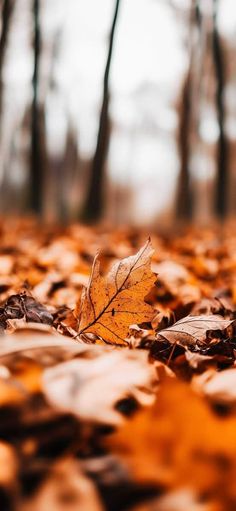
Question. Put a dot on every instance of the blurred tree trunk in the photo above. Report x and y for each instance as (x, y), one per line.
(184, 202)
(184, 205)
(222, 152)
(35, 185)
(94, 201)
(6, 14)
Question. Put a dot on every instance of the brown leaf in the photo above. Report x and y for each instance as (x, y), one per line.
(191, 329)
(92, 388)
(22, 305)
(112, 303)
(213, 306)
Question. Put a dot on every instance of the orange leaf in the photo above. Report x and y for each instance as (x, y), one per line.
(112, 303)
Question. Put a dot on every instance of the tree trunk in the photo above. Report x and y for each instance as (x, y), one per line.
(222, 156)
(35, 192)
(6, 14)
(184, 205)
(184, 202)
(94, 201)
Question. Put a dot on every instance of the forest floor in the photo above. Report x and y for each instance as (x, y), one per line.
(117, 370)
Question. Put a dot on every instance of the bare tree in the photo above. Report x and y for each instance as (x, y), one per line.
(222, 156)
(184, 205)
(94, 201)
(6, 14)
(35, 189)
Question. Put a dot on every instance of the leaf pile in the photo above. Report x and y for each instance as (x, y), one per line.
(117, 371)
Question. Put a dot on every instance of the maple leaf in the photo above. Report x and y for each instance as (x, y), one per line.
(110, 304)
(187, 331)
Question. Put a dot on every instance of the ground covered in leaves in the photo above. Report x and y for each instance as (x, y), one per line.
(117, 369)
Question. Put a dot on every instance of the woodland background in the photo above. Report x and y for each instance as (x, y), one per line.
(122, 110)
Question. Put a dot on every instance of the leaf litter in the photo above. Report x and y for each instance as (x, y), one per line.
(117, 369)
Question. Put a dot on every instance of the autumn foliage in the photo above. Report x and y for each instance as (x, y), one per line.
(117, 373)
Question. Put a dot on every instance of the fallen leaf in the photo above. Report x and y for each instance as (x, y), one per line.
(209, 306)
(192, 329)
(183, 499)
(8, 464)
(33, 336)
(65, 488)
(92, 387)
(179, 442)
(112, 303)
(218, 387)
(22, 305)
(9, 392)
(196, 360)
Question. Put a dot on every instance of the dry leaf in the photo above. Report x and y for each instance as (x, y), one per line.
(34, 336)
(192, 329)
(179, 442)
(92, 387)
(25, 306)
(8, 464)
(219, 387)
(186, 443)
(66, 488)
(112, 303)
(183, 499)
